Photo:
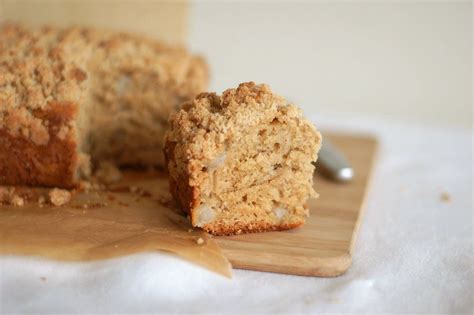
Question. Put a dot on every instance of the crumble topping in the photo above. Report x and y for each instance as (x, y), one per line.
(59, 197)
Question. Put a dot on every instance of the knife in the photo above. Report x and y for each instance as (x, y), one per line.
(333, 164)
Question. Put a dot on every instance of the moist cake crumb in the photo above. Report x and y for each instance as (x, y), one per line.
(59, 197)
(241, 162)
(200, 241)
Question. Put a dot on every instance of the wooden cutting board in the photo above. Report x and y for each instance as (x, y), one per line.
(325, 244)
(120, 221)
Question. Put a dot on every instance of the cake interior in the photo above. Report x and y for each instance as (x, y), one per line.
(128, 99)
(121, 120)
(258, 180)
(124, 117)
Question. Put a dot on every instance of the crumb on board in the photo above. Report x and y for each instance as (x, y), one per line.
(108, 172)
(41, 200)
(200, 241)
(59, 197)
(94, 205)
(91, 186)
(445, 197)
(190, 230)
(17, 201)
(8, 196)
(163, 199)
(3, 191)
(85, 185)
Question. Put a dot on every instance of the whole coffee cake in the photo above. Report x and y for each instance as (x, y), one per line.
(241, 162)
(71, 95)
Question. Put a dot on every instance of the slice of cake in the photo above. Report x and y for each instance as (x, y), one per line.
(71, 95)
(241, 162)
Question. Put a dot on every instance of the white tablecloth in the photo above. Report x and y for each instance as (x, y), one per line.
(414, 252)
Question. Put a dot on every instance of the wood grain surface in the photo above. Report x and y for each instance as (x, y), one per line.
(325, 244)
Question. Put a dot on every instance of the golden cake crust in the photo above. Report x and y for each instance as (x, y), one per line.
(52, 163)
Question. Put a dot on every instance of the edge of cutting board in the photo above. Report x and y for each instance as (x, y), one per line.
(237, 250)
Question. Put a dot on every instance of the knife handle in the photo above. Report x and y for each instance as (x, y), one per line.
(333, 163)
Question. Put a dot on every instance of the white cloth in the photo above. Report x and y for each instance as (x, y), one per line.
(414, 252)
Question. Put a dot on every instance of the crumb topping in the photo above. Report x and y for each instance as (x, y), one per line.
(210, 121)
(44, 66)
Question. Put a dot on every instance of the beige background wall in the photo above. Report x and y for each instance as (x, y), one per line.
(162, 19)
(405, 60)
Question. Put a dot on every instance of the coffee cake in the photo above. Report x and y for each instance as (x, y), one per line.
(241, 162)
(69, 96)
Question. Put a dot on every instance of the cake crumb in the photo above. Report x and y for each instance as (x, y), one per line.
(41, 200)
(445, 197)
(164, 200)
(3, 193)
(200, 241)
(59, 197)
(108, 172)
(17, 201)
(85, 185)
(190, 230)
(6, 194)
